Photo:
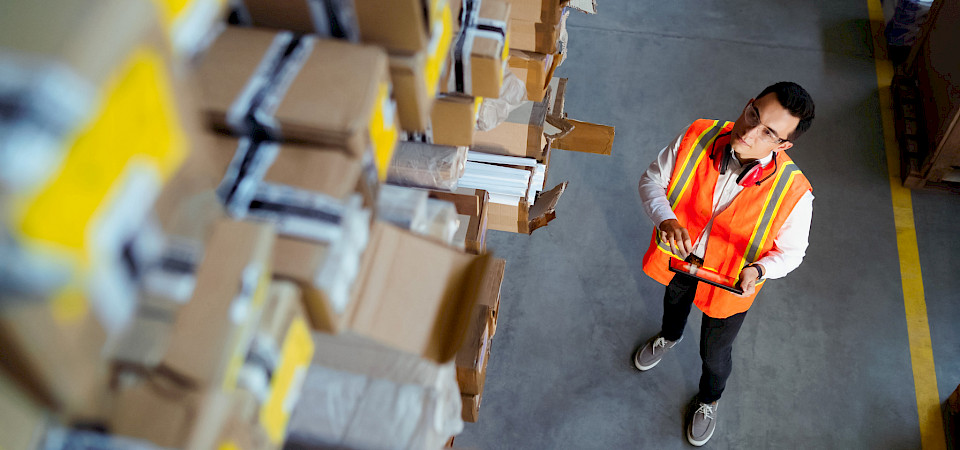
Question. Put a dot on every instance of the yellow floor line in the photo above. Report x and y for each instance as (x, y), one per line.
(918, 329)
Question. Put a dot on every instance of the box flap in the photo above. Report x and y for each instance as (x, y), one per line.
(557, 97)
(543, 210)
(588, 138)
(415, 294)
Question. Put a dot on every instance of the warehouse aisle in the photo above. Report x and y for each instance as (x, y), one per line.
(823, 359)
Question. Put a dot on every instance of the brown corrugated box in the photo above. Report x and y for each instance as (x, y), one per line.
(299, 261)
(236, 262)
(535, 69)
(57, 348)
(486, 58)
(547, 11)
(229, 69)
(293, 15)
(317, 169)
(525, 218)
(490, 293)
(408, 74)
(415, 294)
(536, 37)
(454, 119)
(340, 98)
(471, 407)
(472, 357)
(398, 25)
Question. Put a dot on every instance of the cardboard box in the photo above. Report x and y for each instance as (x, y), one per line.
(416, 77)
(281, 351)
(399, 25)
(536, 37)
(473, 355)
(520, 135)
(235, 72)
(525, 218)
(170, 411)
(169, 414)
(109, 101)
(207, 344)
(474, 211)
(338, 97)
(415, 294)
(454, 119)
(327, 18)
(490, 293)
(547, 11)
(535, 69)
(480, 49)
(471, 407)
(300, 261)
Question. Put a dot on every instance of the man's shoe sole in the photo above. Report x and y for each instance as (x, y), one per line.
(697, 443)
(636, 362)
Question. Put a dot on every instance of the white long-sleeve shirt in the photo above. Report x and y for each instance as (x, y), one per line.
(791, 242)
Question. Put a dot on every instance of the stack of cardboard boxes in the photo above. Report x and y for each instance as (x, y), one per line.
(188, 197)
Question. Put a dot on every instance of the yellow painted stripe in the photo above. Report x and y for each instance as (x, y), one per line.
(918, 329)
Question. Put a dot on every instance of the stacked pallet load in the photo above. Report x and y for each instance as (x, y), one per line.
(255, 223)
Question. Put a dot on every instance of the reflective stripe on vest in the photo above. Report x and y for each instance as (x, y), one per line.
(761, 232)
(700, 146)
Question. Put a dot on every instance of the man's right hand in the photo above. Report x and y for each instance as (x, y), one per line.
(676, 237)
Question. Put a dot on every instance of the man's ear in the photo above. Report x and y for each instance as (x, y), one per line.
(783, 146)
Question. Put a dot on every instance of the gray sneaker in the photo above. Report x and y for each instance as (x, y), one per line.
(652, 352)
(702, 424)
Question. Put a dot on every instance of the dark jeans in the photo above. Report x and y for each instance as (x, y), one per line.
(716, 335)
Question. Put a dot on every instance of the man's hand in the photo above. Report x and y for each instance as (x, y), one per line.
(748, 280)
(676, 237)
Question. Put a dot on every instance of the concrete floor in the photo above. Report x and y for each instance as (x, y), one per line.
(823, 358)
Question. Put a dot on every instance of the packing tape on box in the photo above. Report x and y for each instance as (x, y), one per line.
(335, 18)
(274, 93)
(247, 168)
(473, 26)
(174, 276)
(240, 114)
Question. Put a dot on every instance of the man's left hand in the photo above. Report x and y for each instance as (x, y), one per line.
(748, 280)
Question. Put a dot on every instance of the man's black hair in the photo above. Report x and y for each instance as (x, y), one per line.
(796, 100)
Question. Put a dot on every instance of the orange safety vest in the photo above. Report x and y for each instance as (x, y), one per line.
(742, 233)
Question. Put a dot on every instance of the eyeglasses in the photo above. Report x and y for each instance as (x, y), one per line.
(752, 117)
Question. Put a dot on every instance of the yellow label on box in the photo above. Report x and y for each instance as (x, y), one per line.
(383, 130)
(138, 123)
(438, 51)
(285, 385)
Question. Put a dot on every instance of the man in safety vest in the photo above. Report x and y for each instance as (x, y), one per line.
(726, 198)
